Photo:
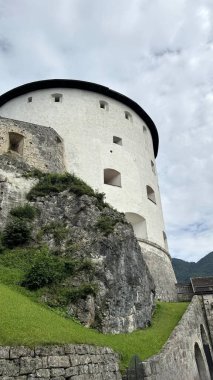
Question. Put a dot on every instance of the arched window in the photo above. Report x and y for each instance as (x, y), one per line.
(201, 367)
(112, 177)
(104, 105)
(57, 98)
(16, 142)
(128, 115)
(207, 350)
(153, 167)
(150, 194)
(165, 241)
(138, 224)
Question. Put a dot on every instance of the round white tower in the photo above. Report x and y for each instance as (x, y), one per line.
(111, 143)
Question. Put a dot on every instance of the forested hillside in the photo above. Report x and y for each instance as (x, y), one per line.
(184, 269)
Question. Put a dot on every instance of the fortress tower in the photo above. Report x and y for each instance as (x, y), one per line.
(111, 143)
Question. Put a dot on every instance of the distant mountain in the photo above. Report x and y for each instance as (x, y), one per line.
(184, 269)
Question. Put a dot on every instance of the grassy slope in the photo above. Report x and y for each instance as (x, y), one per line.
(25, 322)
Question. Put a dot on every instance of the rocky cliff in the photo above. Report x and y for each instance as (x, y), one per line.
(118, 290)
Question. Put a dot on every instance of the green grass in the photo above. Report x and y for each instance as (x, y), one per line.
(24, 322)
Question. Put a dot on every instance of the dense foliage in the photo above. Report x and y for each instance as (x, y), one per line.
(16, 233)
(26, 211)
(50, 183)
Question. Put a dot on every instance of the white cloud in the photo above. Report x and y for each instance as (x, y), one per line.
(159, 53)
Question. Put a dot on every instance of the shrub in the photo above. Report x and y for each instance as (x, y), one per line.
(53, 183)
(56, 229)
(77, 265)
(106, 224)
(45, 270)
(17, 232)
(81, 292)
(24, 212)
(1, 243)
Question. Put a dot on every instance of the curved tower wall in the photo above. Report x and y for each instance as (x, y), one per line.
(88, 122)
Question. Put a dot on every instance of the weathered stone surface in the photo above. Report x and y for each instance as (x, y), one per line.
(89, 363)
(59, 361)
(160, 267)
(42, 146)
(17, 352)
(4, 352)
(124, 301)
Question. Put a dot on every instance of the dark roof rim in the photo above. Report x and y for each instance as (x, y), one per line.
(88, 86)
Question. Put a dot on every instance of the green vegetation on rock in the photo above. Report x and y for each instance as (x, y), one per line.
(51, 183)
(106, 224)
(46, 327)
(35, 268)
(16, 233)
(26, 211)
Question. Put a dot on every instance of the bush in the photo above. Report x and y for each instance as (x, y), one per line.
(45, 270)
(76, 265)
(1, 243)
(53, 183)
(106, 224)
(56, 229)
(16, 233)
(81, 292)
(24, 212)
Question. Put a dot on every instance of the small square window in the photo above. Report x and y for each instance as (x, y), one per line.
(153, 167)
(57, 98)
(128, 115)
(104, 105)
(117, 140)
(29, 99)
(144, 129)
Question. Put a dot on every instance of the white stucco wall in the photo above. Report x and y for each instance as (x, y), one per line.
(88, 132)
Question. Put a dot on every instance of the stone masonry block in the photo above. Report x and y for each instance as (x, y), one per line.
(59, 361)
(4, 352)
(71, 371)
(69, 349)
(56, 372)
(44, 373)
(17, 352)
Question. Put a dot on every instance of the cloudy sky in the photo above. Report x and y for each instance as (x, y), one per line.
(159, 53)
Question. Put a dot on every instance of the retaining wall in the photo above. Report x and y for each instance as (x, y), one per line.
(72, 362)
(178, 360)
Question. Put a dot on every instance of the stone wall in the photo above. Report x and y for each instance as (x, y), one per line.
(40, 147)
(183, 356)
(208, 304)
(73, 362)
(159, 263)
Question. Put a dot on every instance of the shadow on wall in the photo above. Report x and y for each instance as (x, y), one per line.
(207, 350)
(138, 224)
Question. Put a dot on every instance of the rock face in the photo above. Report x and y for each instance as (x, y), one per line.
(124, 300)
(125, 290)
(13, 186)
